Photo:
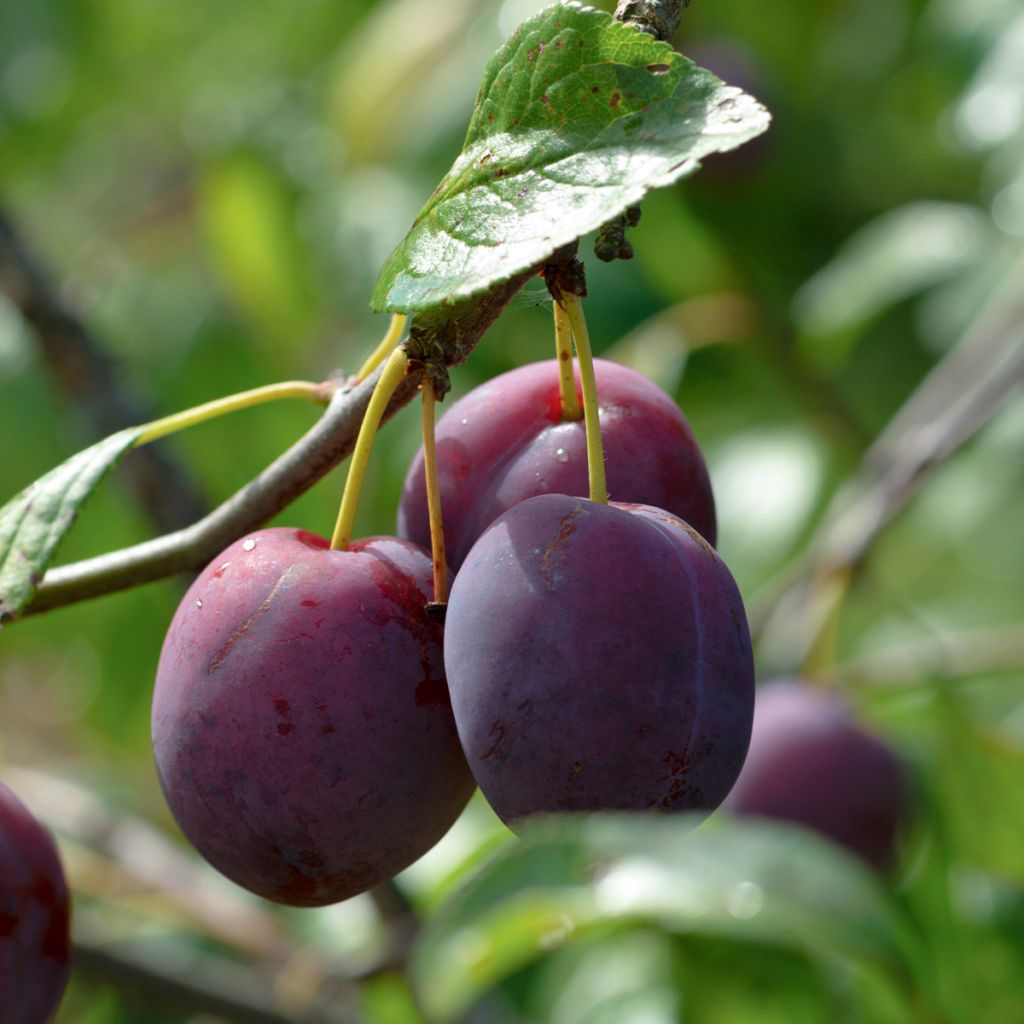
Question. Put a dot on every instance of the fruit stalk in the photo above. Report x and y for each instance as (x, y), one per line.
(595, 450)
(320, 393)
(390, 378)
(563, 351)
(386, 344)
(433, 495)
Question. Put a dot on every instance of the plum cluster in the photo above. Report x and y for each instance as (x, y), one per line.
(34, 916)
(316, 729)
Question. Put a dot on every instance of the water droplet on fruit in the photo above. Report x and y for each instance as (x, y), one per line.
(248, 545)
(199, 602)
(745, 901)
(464, 421)
(562, 455)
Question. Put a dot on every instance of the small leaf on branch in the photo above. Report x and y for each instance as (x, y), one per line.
(578, 116)
(33, 524)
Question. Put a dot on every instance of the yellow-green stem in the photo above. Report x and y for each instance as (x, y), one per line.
(571, 409)
(595, 450)
(433, 496)
(387, 343)
(390, 378)
(232, 403)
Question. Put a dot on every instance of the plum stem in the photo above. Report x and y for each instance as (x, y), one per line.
(433, 495)
(387, 383)
(384, 347)
(571, 409)
(595, 450)
(320, 393)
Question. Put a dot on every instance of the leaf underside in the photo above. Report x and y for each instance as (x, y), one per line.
(33, 524)
(751, 881)
(578, 116)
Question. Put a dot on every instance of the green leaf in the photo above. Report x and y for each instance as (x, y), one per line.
(34, 523)
(610, 978)
(578, 116)
(750, 881)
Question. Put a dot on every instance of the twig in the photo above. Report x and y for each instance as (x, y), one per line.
(402, 923)
(205, 984)
(948, 656)
(454, 330)
(84, 372)
(660, 18)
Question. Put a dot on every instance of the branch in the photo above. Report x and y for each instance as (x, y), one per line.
(84, 372)
(659, 18)
(446, 334)
(949, 407)
(206, 984)
(454, 331)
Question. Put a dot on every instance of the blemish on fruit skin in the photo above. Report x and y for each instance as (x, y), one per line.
(309, 603)
(221, 656)
(499, 731)
(577, 768)
(217, 573)
(284, 728)
(282, 707)
(311, 540)
(327, 730)
(565, 531)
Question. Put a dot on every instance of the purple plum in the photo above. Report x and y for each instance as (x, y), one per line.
(301, 721)
(599, 659)
(35, 943)
(810, 763)
(506, 441)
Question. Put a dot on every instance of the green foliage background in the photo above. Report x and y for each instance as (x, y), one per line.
(215, 187)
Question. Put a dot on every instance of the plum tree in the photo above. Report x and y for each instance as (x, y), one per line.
(810, 763)
(301, 722)
(507, 441)
(34, 917)
(598, 658)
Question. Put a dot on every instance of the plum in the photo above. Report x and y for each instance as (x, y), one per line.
(302, 728)
(812, 764)
(35, 944)
(598, 658)
(506, 441)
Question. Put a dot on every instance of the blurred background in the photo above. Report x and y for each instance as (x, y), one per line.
(838, 308)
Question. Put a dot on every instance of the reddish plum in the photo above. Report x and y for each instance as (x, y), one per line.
(599, 659)
(812, 764)
(301, 722)
(505, 442)
(35, 944)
